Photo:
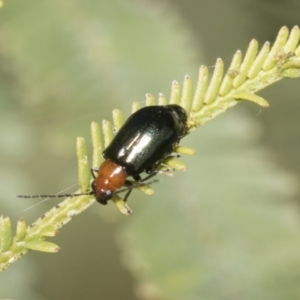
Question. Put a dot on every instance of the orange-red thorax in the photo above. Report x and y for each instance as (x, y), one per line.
(111, 177)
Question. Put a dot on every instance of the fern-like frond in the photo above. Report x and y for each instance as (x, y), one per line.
(210, 98)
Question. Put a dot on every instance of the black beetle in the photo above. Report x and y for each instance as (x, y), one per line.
(148, 136)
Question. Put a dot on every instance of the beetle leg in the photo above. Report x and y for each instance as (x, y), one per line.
(130, 186)
(175, 155)
(154, 169)
(92, 172)
(149, 176)
(127, 194)
(137, 178)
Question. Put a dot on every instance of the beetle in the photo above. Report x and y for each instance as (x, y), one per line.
(149, 136)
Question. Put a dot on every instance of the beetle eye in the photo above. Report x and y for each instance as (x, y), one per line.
(105, 196)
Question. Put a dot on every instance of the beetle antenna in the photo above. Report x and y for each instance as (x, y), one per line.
(56, 195)
(84, 194)
(48, 197)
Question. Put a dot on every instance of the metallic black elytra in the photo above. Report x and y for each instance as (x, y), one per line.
(147, 137)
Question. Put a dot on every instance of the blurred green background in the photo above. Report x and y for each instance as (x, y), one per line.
(228, 228)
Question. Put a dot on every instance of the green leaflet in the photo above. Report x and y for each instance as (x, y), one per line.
(5, 234)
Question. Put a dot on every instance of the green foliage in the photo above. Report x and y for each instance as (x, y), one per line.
(210, 98)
